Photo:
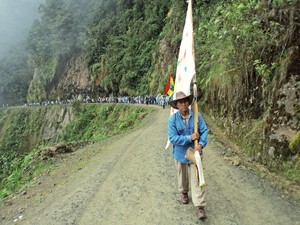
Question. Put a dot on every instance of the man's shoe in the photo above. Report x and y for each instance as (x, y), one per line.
(184, 198)
(201, 213)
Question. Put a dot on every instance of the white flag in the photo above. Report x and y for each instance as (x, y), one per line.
(185, 65)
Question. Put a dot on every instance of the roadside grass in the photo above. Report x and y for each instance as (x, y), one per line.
(24, 171)
(291, 169)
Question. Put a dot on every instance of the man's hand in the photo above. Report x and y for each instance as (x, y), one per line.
(195, 136)
(199, 149)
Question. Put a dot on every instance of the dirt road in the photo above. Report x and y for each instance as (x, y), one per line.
(130, 179)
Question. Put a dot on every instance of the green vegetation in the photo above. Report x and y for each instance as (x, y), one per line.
(22, 170)
(291, 169)
(246, 60)
(119, 38)
(95, 123)
(242, 60)
(23, 130)
(295, 144)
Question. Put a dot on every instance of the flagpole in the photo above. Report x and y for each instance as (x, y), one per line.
(198, 167)
(195, 105)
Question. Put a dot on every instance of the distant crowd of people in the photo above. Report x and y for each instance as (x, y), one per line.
(148, 100)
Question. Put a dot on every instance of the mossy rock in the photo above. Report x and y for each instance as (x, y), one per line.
(295, 144)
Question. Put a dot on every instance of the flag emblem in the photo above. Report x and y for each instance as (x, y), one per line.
(169, 89)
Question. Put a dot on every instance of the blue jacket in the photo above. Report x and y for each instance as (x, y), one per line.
(179, 134)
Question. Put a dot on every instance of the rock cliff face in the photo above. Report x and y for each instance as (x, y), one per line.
(283, 121)
(70, 80)
(33, 126)
(55, 123)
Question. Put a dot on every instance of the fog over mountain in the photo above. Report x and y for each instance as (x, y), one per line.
(16, 17)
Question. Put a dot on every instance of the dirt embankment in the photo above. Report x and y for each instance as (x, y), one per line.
(130, 179)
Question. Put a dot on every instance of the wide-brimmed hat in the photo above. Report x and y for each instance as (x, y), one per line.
(179, 96)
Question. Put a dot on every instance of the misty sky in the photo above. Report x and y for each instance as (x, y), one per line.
(16, 17)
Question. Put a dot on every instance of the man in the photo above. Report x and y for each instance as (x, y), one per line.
(182, 136)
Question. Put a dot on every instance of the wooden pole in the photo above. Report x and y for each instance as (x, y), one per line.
(195, 105)
(199, 167)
